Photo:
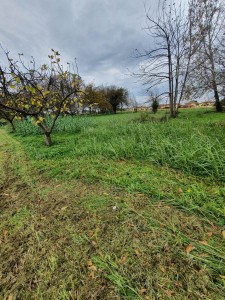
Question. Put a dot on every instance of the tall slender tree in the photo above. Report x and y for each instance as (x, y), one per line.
(207, 65)
(166, 66)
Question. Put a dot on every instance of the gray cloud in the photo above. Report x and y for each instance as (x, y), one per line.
(101, 34)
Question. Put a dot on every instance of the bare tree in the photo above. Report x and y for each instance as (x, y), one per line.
(207, 63)
(133, 103)
(166, 66)
(222, 63)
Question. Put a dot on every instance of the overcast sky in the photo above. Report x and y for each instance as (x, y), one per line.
(101, 34)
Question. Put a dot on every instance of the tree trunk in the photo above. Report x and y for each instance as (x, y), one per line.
(218, 105)
(213, 72)
(12, 126)
(47, 132)
(174, 113)
(48, 140)
(170, 78)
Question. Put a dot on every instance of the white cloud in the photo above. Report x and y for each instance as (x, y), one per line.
(101, 34)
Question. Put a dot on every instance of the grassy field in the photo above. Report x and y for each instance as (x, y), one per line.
(127, 206)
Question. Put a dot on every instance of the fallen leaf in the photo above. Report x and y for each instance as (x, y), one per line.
(203, 243)
(222, 276)
(209, 233)
(169, 293)
(143, 291)
(183, 226)
(89, 263)
(91, 233)
(137, 253)
(223, 234)
(123, 259)
(166, 247)
(203, 255)
(215, 228)
(180, 191)
(64, 208)
(189, 248)
(5, 235)
(94, 243)
(162, 269)
(148, 298)
(93, 268)
(167, 207)
(92, 274)
(179, 283)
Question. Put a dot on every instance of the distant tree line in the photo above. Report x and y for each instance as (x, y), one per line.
(104, 99)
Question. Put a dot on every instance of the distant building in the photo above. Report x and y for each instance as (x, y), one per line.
(138, 108)
(209, 103)
(164, 106)
(190, 104)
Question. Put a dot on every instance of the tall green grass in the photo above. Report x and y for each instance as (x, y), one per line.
(69, 124)
(191, 145)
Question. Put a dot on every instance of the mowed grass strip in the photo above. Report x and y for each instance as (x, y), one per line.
(86, 242)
